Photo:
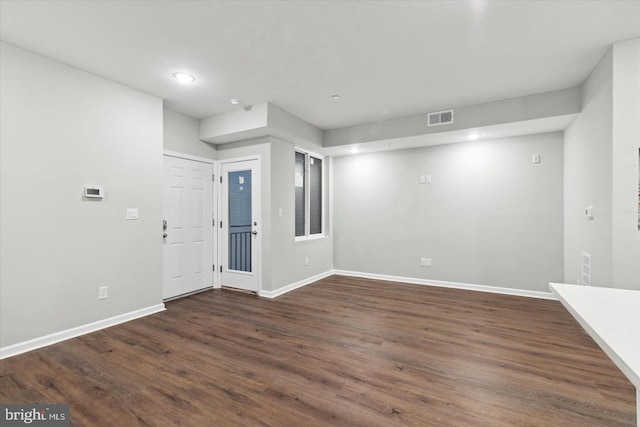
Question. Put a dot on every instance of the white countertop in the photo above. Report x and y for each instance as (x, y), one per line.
(612, 318)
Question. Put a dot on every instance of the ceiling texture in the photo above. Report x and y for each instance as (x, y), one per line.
(386, 59)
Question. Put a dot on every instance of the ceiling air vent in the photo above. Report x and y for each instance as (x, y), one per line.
(440, 118)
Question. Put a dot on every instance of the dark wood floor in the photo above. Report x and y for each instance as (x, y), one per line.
(342, 351)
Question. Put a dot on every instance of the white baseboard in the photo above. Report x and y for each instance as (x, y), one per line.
(23, 347)
(456, 285)
(296, 285)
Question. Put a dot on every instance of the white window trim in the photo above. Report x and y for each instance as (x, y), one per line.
(307, 197)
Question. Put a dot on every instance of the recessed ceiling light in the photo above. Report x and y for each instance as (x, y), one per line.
(354, 150)
(473, 136)
(235, 101)
(335, 97)
(184, 77)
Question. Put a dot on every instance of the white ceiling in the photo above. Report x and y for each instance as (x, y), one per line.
(386, 59)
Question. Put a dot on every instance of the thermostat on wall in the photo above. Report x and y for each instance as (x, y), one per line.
(94, 192)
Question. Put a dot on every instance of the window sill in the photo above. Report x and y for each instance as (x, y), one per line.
(312, 237)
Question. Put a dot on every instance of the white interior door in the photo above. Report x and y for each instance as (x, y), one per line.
(188, 226)
(240, 230)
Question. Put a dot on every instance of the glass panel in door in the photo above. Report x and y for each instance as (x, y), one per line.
(240, 221)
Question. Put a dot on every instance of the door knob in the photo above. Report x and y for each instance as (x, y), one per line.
(254, 232)
(164, 235)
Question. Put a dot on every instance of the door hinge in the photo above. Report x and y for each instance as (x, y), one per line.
(213, 222)
(213, 178)
(220, 224)
(220, 269)
(220, 179)
(214, 267)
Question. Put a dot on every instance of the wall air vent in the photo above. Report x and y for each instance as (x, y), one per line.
(586, 269)
(440, 118)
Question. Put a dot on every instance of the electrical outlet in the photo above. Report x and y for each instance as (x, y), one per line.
(424, 179)
(425, 262)
(306, 260)
(103, 292)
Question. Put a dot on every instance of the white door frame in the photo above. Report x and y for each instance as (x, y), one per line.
(214, 213)
(258, 180)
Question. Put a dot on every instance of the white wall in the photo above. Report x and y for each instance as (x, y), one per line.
(489, 217)
(288, 256)
(587, 179)
(626, 142)
(62, 129)
(601, 169)
(182, 135)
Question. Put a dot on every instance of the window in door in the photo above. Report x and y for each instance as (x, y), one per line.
(240, 220)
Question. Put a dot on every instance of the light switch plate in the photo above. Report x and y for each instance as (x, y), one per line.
(132, 213)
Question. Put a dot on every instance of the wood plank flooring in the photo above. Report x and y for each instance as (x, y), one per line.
(342, 351)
